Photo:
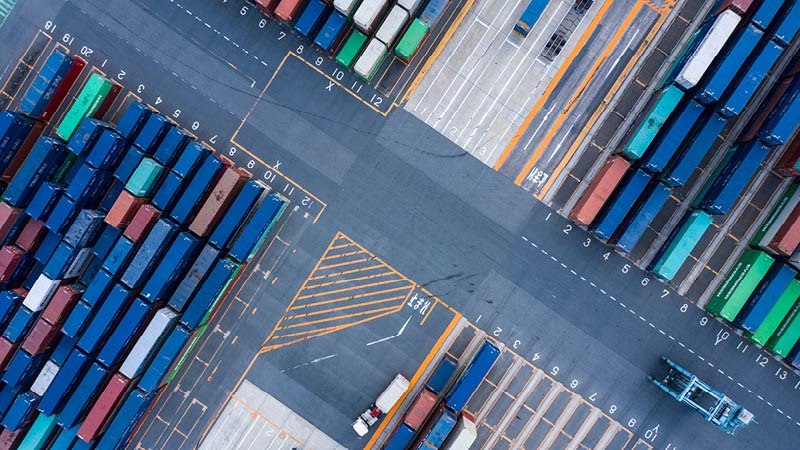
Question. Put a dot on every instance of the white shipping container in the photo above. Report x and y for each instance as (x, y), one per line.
(367, 14)
(149, 342)
(709, 48)
(392, 393)
(409, 5)
(464, 434)
(345, 7)
(791, 204)
(79, 263)
(45, 377)
(40, 294)
(369, 61)
(391, 26)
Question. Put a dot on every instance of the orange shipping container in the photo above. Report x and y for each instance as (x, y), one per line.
(787, 238)
(601, 187)
(120, 215)
(288, 9)
(416, 414)
(218, 201)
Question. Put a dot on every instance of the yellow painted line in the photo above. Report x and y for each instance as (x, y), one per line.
(342, 308)
(345, 289)
(424, 319)
(425, 363)
(553, 83)
(349, 280)
(346, 263)
(350, 297)
(342, 255)
(347, 272)
(331, 319)
(335, 247)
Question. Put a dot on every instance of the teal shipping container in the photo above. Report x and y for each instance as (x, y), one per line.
(680, 244)
(652, 118)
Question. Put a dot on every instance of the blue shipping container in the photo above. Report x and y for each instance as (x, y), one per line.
(621, 202)
(9, 302)
(766, 13)
(656, 159)
(99, 287)
(441, 376)
(65, 262)
(118, 257)
(132, 323)
(153, 132)
(208, 292)
(47, 247)
(14, 129)
(154, 376)
(790, 24)
(711, 89)
(172, 146)
(741, 165)
(7, 396)
(431, 14)
(168, 193)
(400, 439)
(77, 319)
(460, 393)
(331, 31)
(23, 369)
(172, 268)
(155, 244)
(108, 236)
(45, 199)
(190, 159)
(693, 151)
(133, 120)
(87, 134)
(237, 214)
(107, 316)
(443, 423)
(108, 151)
(126, 419)
(197, 272)
(86, 228)
(66, 439)
(89, 185)
(311, 19)
(764, 298)
(642, 216)
(529, 17)
(62, 215)
(64, 383)
(197, 190)
(41, 164)
(20, 324)
(746, 86)
(111, 196)
(62, 350)
(21, 411)
(50, 77)
(259, 225)
(130, 161)
(782, 121)
(84, 396)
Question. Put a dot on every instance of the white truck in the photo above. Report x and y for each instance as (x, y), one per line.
(388, 398)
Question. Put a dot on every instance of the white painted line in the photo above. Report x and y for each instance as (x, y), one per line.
(710, 364)
(721, 372)
(582, 278)
(701, 358)
(632, 311)
(681, 344)
(651, 324)
(740, 385)
(592, 284)
(671, 338)
(690, 351)
(603, 292)
(612, 297)
(770, 404)
(563, 265)
(623, 305)
(553, 258)
(573, 272)
(642, 319)
(524, 239)
(759, 397)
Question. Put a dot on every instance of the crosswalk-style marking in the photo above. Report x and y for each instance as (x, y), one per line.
(5, 9)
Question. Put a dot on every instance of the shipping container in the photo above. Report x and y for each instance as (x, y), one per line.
(126, 206)
(692, 151)
(124, 421)
(40, 433)
(40, 165)
(208, 293)
(67, 262)
(785, 205)
(17, 136)
(77, 319)
(172, 146)
(418, 411)
(668, 143)
(777, 313)
(89, 186)
(598, 191)
(153, 132)
(287, 10)
(789, 26)
(106, 318)
(41, 338)
(9, 302)
(10, 255)
(464, 434)
(440, 378)
(46, 248)
(785, 337)
(765, 13)
(149, 254)
(739, 284)
(788, 165)
(86, 136)
(118, 257)
(767, 106)
(350, 50)
(199, 187)
(20, 324)
(168, 193)
(86, 228)
(144, 219)
(191, 159)
(8, 218)
(144, 179)
(766, 295)
(133, 120)
(738, 6)
(332, 31)
(619, 204)
(109, 400)
(748, 83)
(410, 5)
(346, 7)
(197, 272)
(219, 199)
(437, 430)
(21, 412)
(433, 12)
(392, 25)
(171, 268)
(650, 120)
(256, 229)
(787, 236)
(312, 18)
(370, 60)
(412, 40)
(368, 14)
(471, 377)
(731, 177)
(88, 102)
(84, 396)
(148, 343)
(781, 123)
(730, 63)
(708, 45)
(61, 304)
(48, 90)
(529, 17)
(64, 383)
(108, 237)
(401, 438)
(108, 151)
(42, 204)
(30, 236)
(267, 6)
(123, 336)
(22, 369)
(130, 161)
(12, 162)
(7, 349)
(45, 378)
(238, 213)
(99, 287)
(168, 353)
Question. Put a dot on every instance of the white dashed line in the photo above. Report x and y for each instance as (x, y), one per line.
(554, 259)
(583, 279)
(651, 324)
(573, 272)
(612, 298)
(759, 397)
(681, 344)
(632, 311)
(710, 364)
(603, 292)
(226, 38)
(770, 404)
(563, 265)
(662, 332)
(740, 385)
(207, 25)
(721, 372)
(622, 305)
(642, 319)
(690, 351)
(592, 284)
(701, 358)
(671, 338)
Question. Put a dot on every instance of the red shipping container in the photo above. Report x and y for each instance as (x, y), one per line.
(11, 439)
(785, 165)
(267, 6)
(419, 410)
(794, 67)
(787, 238)
(31, 235)
(108, 101)
(104, 407)
(141, 223)
(738, 6)
(766, 107)
(63, 89)
(288, 9)
(8, 216)
(126, 206)
(9, 258)
(601, 187)
(23, 152)
(41, 337)
(61, 304)
(218, 202)
(7, 349)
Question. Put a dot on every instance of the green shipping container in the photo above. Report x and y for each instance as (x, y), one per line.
(141, 182)
(787, 334)
(411, 40)
(679, 249)
(39, 433)
(65, 167)
(350, 50)
(647, 129)
(777, 314)
(780, 206)
(740, 283)
(86, 104)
